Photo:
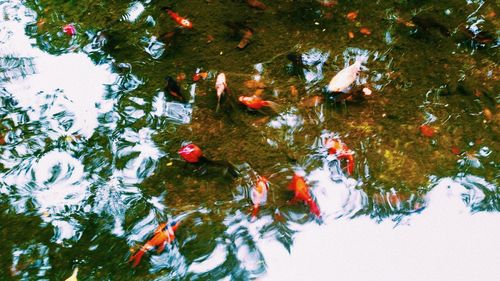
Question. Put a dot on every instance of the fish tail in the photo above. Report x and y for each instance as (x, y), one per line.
(272, 105)
(361, 59)
(218, 103)
(350, 164)
(255, 211)
(313, 207)
(225, 164)
(136, 258)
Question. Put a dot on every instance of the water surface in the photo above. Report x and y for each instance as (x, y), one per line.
(89, 138)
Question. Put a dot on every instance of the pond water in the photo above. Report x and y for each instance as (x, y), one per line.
(91, 126)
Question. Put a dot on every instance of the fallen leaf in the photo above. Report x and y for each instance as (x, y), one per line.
(455, 150)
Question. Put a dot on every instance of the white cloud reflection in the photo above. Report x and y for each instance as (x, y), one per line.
(444, 242)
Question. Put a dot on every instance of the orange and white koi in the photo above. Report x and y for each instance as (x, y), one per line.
(341, 151)
(258, 195)
(301, 189)
(183, 22)
(162, 235)
(220, 87)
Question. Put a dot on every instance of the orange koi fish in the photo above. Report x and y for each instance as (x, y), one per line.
(259, 194)
(179, 20)
(301, 189)
(256, 102)
(162, 235)
(341, 151)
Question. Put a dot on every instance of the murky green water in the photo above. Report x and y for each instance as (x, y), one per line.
(89, 138)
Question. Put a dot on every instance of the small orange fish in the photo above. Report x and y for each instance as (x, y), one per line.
(200, 75)
(179, 20)
(365, 31)
(342, 151)
(352, 15)
(427, 130)
(162, 235)
(301, 189)
(258, 194)
(255, 102)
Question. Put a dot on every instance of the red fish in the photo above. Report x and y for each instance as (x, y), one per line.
(342, 151)
(69, 29)
(191, 153)
(162, 235)
(256, 102)
(259, 194)
(179, 20)
(427, 131)
(301, 189)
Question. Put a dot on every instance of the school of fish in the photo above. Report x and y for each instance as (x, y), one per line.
(193, 155)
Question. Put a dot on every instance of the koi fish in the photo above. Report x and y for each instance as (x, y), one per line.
(220, 87)
(69, 29)
(256, 102)
(427, 131)
(341, 151)
(345, 77)
(183, 22)
(162, 235)
(191, 153)
(258, 194)
(301, 189)
(173, 89)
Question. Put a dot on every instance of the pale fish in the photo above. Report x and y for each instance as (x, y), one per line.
(345, 77)
(73, 276)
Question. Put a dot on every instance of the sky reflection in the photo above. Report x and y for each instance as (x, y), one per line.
(443, 242)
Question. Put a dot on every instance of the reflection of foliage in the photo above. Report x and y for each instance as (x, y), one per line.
(15, 67)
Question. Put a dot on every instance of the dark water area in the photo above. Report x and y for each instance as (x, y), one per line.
(97, 98)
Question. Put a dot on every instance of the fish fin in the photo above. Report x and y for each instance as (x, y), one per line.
(136, 258)
(293, 200)
(224, 164)
(313, 207)
(255, 211)
(161, 247)
(218, 104)
(272, 105)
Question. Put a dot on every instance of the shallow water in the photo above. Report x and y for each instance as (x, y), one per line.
(89, 140)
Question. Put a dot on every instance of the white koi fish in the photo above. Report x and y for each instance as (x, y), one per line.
(345, 77)
(220, 87)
